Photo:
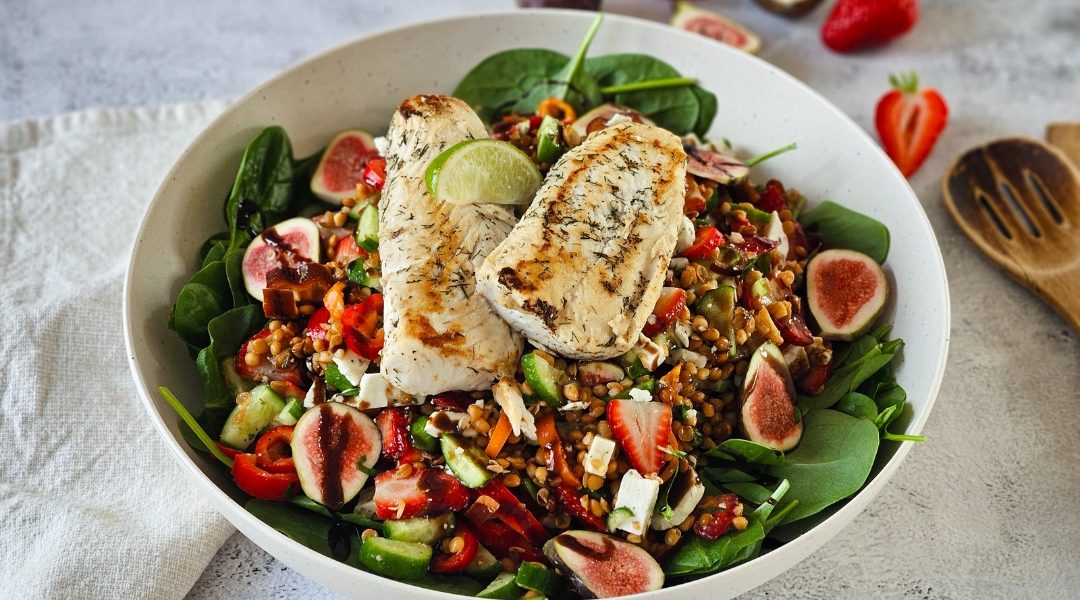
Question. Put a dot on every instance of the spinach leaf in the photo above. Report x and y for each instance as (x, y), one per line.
(857, 405)
(724, 475)
(203, 298)
(752, 492)
(707, 112)
(571, 83)
(213, 251)
(700, 555)
(227, 333)
(849, 376)
(674, 108)
(265, 178)
(234, 271)
(495, 87)
(831, 462)
(845, 228)
(301, 525)
(746, 451)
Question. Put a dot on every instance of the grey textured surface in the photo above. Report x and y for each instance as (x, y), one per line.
(989, 507)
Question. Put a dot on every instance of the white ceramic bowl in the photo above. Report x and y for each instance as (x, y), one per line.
(359, 85)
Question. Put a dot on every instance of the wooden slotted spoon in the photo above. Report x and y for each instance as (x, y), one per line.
(1018, 200)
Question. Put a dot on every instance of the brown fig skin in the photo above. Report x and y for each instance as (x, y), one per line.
(789, 8)
(598, 565)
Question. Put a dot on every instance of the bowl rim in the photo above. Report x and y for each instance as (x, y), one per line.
(793, 552)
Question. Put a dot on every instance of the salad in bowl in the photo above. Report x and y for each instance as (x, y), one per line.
(542, 336)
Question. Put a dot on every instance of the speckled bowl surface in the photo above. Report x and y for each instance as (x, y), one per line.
(359, 85)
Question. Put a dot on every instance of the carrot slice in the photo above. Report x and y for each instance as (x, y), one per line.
(549, 439)
(498, 437)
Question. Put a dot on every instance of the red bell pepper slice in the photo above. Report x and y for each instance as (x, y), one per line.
(570, 500)
(452, 563)
(360, 324)
(314, 329)
(706, 240)
(228, 450)
(257, 482)
(374, 173)
(273, 451)
(512, 512)
(502, 541)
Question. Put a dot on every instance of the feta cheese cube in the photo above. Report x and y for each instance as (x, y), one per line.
(652, 355)
(640, 396)
(682, 332)
(352, 366)
(775, 231)
(686, 235)
(508, 396)
(639, 495)
(599, 456)
(375, 391)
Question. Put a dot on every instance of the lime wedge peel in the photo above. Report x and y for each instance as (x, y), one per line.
(483, 172)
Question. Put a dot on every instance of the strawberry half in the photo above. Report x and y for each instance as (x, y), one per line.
(909, 121)
(667, 309)
(396, 442)
(642, 430)
(421, 493)
(855, 24)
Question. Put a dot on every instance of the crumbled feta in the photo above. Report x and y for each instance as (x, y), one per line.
(682, 355)
(382, 145)
(679, 263)
(444, 421)
(619, 118)
(508, 397)
(691, 413)
(569, 406)
(775, 231)
(686, 235)
(682, 332)
(651, 354)
(375, 391)
(640, 395)
(639, 495)
(796, 359)
(352, 366)
(599, 456)
(309, 398)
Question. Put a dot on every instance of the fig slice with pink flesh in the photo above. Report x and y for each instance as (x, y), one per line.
(287, 244)
(846, 292)
(769, 413)
(713, 166)
(718, 27)
(597, 119)
(598, 565)
(342, 165)
(334, 447)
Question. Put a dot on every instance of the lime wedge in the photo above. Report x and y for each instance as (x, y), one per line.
(483, 171)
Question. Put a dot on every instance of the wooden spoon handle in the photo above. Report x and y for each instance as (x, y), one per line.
(1066, 137)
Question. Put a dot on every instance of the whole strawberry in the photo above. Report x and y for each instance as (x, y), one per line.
(855, 24)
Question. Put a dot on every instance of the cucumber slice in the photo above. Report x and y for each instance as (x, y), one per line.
(421, 530)
(543, 378)
(503, 587)
(484, 566)
(632, 362)
(395, 559)
(291, 413)
(247, 421)
(421, 438)
(537, 577)
(549, 145)
(466, 460)
(619, 516)
(354, 212)
(367, 230)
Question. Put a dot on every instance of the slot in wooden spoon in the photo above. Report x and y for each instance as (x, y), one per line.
(1018, 200)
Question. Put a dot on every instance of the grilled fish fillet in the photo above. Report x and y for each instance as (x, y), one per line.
(440, 334)
(582, 270)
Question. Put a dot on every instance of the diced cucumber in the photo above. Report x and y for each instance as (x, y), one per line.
(503, 588)
(466, 460)
(649, 385)
(291, 413)
(421, 438)
(395, 559)
(367, 230)
(543, 378)
(718, 308)
(619, 516)
(632, 362)
(664, 339)
(233, 380)
(421, 530)
(359, 274)
(535, 576)
(247, 420)
(356, 209)
(484, 566)
(549, 144)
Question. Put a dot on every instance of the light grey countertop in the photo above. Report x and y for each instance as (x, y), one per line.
(988, 507)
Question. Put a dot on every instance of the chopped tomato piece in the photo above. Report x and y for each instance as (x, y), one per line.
(361, 330)
(375, 173)
(706, 240)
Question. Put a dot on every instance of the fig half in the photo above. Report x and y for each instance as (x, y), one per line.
(769, 413)
(342, 165)
(287, 244)
(713, 166)
(601, 566)
(334, 447)
(846, 291)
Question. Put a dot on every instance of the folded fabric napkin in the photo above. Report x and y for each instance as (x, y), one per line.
(92, 504)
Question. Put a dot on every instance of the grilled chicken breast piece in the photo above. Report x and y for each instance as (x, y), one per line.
(582, 270)
(441, 334)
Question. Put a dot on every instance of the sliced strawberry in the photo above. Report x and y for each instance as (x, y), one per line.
(855, 24)
(642, 430)
(772, 197)
(717, 512)
(293, 373)
(667, 309)
(570, 500)
(512, 512)
(909, 122)
(421, 493)
(314, 328)
(396, 442)
(706, 240)
(504, 542)
(348, 250)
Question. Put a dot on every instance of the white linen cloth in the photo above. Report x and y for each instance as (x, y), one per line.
(92, 504)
